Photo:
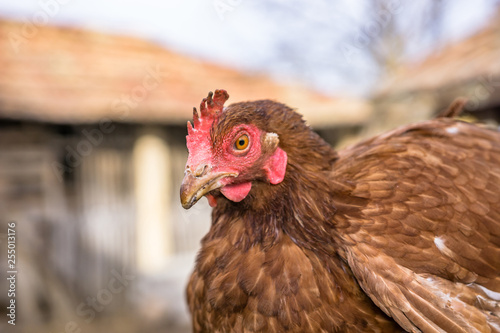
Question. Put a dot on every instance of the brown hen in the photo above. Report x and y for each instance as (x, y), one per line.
(400, 232)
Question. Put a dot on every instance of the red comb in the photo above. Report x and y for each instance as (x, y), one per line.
(210, 107)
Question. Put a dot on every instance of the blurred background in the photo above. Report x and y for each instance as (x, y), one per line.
(94, 99)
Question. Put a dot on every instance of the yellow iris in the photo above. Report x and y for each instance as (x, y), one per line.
(242, 142)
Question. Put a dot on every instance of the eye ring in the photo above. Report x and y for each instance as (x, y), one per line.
(242, 142)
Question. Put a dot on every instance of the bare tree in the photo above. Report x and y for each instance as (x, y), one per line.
(361, 42)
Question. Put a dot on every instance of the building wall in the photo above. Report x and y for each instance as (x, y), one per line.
(33, 198)
(88, 206)
(393, 110)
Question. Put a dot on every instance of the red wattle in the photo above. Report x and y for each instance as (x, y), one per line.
(211, 200)
(236, 192)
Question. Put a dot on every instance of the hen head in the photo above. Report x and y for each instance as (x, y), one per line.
(229, 149)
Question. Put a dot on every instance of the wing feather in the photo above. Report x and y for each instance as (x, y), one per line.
(426, 245)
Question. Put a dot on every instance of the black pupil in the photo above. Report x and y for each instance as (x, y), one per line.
(241, 142)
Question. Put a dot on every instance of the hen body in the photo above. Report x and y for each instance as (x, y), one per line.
(400, 232)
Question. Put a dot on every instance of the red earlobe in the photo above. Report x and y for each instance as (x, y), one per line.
(275, 167)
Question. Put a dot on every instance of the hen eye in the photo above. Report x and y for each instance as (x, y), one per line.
(242, 142)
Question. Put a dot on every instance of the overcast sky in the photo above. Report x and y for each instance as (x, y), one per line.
(285, 39)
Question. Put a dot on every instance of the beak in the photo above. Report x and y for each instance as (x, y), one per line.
(194, 188)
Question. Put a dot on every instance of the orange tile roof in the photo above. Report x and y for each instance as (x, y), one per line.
(473, 58)
(66, 75)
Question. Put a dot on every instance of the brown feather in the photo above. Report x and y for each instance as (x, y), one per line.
(399, 232)
(455, 108)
